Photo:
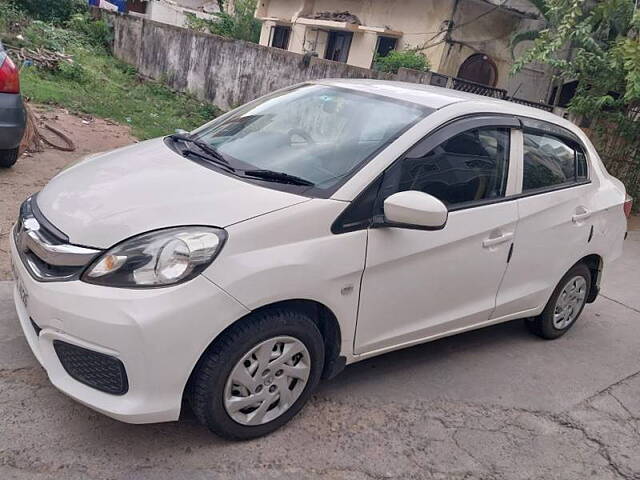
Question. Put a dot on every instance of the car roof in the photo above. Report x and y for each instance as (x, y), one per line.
(440, 97)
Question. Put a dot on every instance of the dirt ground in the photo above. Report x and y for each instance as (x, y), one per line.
(33, 171)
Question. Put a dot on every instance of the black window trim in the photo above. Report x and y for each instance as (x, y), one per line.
(470, 122)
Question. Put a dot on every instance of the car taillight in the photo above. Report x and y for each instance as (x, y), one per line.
(9, 76)
(628, 205)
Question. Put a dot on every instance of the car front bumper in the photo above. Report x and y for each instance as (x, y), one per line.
(13, 120)
(157, 334)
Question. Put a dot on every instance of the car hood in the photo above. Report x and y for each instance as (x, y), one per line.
(106, 198)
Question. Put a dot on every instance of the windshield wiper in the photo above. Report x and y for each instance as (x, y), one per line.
(210, 153)
(272, 176)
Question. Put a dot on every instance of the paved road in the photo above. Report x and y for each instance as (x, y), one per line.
(495, 403)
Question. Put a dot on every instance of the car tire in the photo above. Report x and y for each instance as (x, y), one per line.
(565, 305)
(215, 392)
(8, 158)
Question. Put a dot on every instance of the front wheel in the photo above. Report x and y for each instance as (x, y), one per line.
(258, 375)
(565, 305)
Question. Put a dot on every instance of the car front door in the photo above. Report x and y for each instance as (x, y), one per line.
(420, 284)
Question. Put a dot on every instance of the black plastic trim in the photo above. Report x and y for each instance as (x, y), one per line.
(380, 222)
(510, 253)
(42, 220)
(62, 348)
(334, 368)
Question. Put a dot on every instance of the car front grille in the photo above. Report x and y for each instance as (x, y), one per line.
(44, 250)
(97, 370)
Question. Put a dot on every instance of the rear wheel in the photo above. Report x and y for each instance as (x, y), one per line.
(8, 158)
(259, 375)
(564, 306)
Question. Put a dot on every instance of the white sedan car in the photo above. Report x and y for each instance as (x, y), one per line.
(326, 223)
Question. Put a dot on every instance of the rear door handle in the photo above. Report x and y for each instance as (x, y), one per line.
(493, 241)
(583, 215)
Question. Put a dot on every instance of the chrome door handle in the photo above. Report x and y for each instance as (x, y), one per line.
(491, 242)
(579, 217)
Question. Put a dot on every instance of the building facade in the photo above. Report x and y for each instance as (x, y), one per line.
(468, 39)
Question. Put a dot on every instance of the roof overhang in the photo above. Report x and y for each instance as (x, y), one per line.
(380, 30)
(328, 24)
(279, 21)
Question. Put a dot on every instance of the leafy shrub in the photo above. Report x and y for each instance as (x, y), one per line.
(42, 34)
(97, 32)
(241, 25)
(51, 10)
(73, 72)
(397, 59)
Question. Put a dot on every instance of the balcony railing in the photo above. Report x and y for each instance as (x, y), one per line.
(445, 81)
(478, 88)
(529, 103)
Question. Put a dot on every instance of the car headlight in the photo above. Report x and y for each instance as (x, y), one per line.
(155, 259)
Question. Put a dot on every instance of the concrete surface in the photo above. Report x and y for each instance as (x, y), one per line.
(497, 403)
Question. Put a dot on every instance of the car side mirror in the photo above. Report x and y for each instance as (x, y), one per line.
(414, 209)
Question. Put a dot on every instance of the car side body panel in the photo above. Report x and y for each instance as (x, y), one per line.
(291, 254)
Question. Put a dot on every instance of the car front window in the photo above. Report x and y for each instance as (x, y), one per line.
(318, 133)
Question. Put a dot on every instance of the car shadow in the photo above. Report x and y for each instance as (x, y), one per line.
(423, 358)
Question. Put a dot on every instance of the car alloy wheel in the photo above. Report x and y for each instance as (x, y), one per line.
(267, 380)
(570, 302)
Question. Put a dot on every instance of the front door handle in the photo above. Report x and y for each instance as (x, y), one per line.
(583, 215)
(493, 241)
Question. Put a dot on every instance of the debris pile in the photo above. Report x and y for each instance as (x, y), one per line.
(40, 57)
(345, 16)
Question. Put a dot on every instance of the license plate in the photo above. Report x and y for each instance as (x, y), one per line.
(22, 292)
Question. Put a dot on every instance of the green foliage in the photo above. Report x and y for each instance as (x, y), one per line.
(51, 10)
(46, 35)
(73, 71)
(591, 44)
(97, 32)
(241, 24)
(397, 59)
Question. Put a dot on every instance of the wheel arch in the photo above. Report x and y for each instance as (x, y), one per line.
(594, 263)
(322, 315)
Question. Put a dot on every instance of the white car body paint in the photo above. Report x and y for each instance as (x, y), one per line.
(281, 247)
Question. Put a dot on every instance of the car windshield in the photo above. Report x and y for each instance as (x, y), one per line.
(316, 133)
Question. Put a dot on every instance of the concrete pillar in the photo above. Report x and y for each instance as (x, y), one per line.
(265, 32)
(296, 42)
(363, 46)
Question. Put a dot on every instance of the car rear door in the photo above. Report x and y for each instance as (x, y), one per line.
(555, 218)
(420, 284)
